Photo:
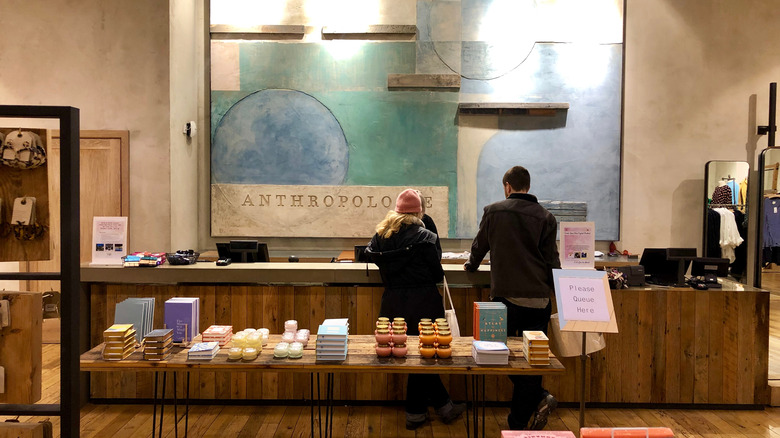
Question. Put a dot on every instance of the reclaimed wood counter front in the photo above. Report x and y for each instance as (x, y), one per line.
(675, 345)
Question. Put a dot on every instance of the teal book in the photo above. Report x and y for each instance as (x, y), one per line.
(490, 321)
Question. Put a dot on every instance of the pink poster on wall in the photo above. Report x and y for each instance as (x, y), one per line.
(578, 243)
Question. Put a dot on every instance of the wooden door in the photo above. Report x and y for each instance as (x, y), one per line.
(104, 175)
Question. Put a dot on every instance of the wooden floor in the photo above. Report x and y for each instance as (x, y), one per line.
(125, 421)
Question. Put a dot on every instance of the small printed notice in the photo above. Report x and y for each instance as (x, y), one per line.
(109, 240)
(584, 301)
(578, 243)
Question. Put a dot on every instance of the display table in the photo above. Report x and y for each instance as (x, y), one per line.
(361, 358)
(675, 345)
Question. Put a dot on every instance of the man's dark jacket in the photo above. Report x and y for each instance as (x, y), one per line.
(520, 235)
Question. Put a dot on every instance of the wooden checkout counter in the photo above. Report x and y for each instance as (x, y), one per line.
(675, 346)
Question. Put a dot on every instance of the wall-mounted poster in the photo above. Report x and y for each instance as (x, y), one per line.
(109, 240)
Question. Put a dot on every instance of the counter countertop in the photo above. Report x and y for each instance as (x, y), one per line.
(265, 273)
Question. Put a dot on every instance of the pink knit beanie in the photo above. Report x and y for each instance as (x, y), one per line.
(408, 202)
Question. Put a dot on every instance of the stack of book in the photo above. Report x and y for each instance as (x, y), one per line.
(120, 341)
(183, 316)
(490, 321)
(490, 353)
(536, 348)
(218, 333)
(136, 311)
(203, 351)
(332, 339)
(158, 344)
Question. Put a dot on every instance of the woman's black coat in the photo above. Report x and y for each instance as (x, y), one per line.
(410, 265)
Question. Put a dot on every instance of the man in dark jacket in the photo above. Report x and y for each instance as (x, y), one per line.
(520, 235)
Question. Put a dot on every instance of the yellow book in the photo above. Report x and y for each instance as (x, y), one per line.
(117, 331)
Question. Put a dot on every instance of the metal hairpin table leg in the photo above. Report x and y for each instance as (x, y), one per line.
(466, 385)
(175, 408)
(330, 402)
(311, 404)
(319, 406)
(187, 409)
(483, 405)
(162, 403)
(475, 410)
(154, 404)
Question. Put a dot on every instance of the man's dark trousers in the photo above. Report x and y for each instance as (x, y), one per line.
(528, 391)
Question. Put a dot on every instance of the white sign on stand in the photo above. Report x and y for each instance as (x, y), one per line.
(584, 301)
(109, 240)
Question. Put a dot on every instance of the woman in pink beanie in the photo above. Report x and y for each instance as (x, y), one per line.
(410, 264)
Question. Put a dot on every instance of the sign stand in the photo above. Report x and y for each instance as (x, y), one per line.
(584, 305)
(583, 364)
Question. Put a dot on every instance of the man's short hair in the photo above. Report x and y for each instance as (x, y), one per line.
(518, 178)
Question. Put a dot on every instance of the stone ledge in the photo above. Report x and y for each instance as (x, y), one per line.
(263, 32)
(517, 108)
(370, 32)
(423, 81)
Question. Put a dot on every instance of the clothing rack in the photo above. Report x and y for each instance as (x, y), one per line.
(726, 205)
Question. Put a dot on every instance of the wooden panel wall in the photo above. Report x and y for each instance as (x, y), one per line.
(674, 346)
(20, 352)
(679, 346)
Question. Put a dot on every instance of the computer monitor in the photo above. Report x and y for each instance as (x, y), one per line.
(667, 266)
(710, 268)
(243, 251)
(360, 253)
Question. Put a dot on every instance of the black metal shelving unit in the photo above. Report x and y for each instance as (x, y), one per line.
(69, 276)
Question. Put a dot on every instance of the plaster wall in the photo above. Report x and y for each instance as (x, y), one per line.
(696, 85)
(697, 80)
(110, 60)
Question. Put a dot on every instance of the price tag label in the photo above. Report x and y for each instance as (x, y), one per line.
(24, 211)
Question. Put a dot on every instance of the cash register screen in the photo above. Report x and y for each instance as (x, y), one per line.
(243, 251)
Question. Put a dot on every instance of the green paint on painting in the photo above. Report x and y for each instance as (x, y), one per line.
(323, 66)
(221, 101)
(403, 138)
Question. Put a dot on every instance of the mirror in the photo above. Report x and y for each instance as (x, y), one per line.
(770, 208)
(725, 218)
(768, 247)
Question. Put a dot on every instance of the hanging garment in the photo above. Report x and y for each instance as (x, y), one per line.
(771, 222)
(740, 252)
(713, 234)
(722, 195)
(743, 194)
(729, 234)
(734, 190)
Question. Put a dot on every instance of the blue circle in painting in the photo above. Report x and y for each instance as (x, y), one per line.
(279, 137)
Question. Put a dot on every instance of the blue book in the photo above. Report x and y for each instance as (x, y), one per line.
(136, 311)
(334, 332)
(490, 321)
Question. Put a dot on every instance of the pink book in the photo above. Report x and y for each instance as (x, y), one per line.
(536, 434)
(626, 432)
